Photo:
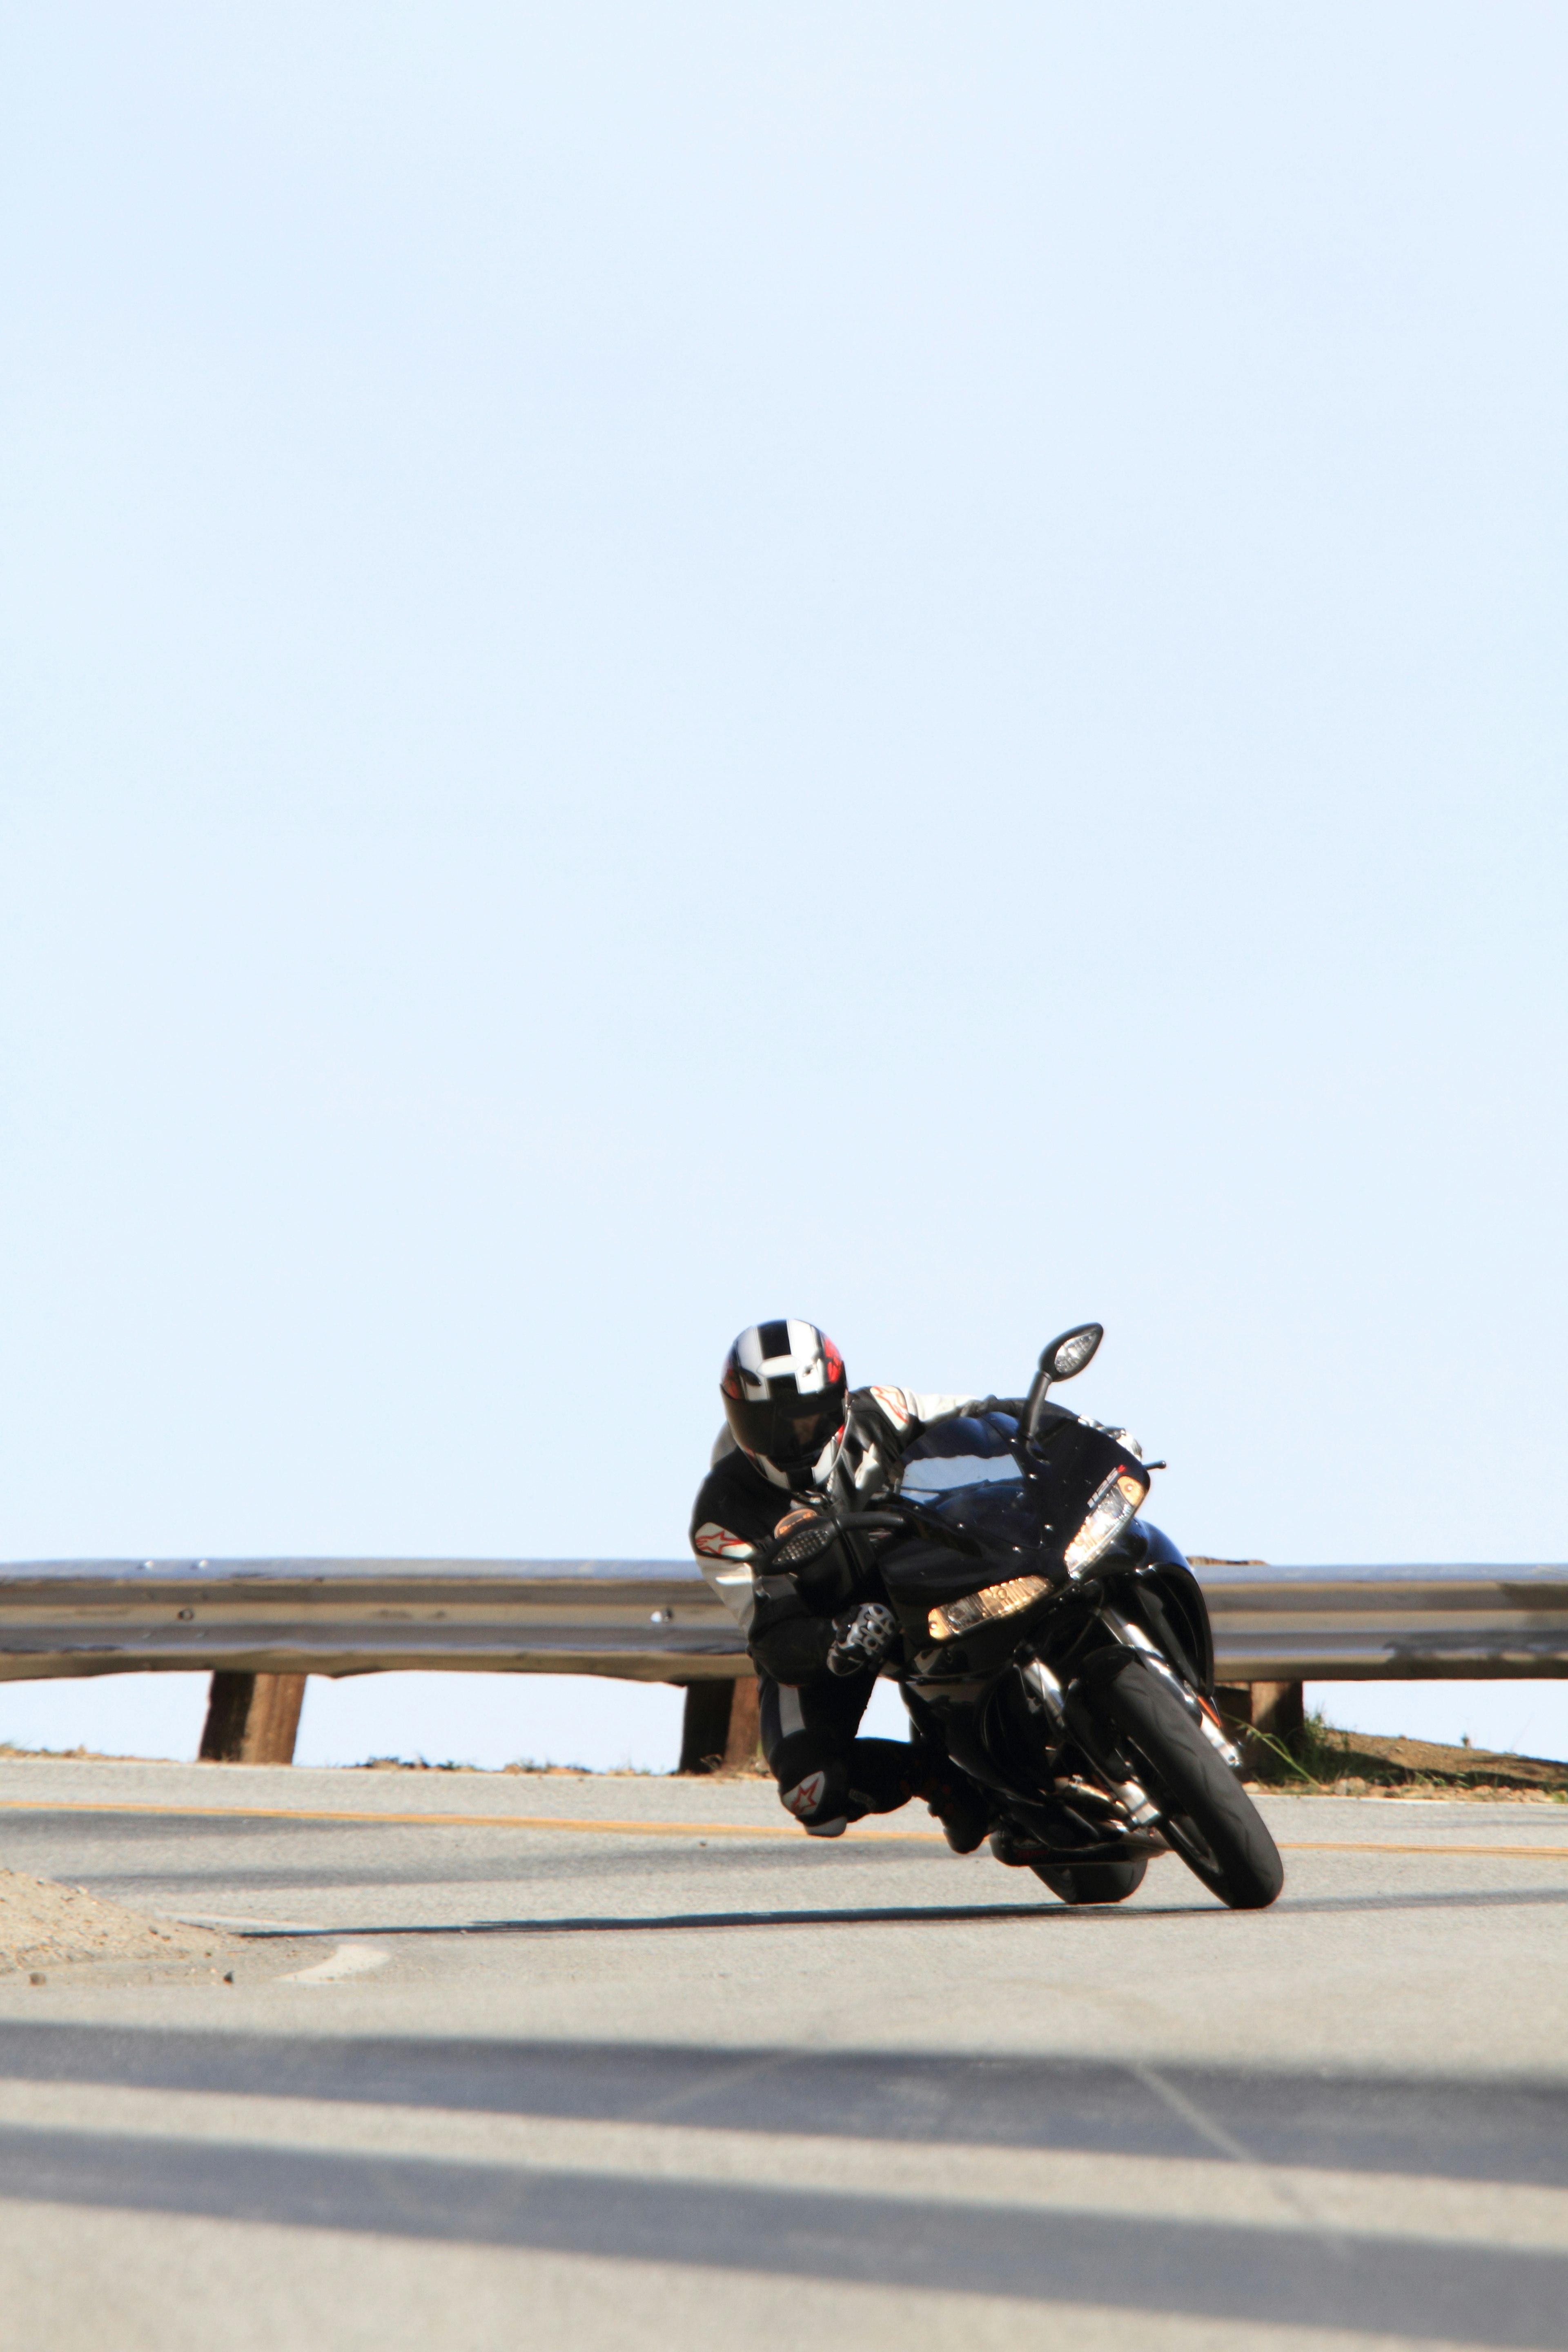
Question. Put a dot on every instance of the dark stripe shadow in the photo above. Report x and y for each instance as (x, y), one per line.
(893, 1914)
(1426, 2289)
(643, 1923)
(1502, 2129)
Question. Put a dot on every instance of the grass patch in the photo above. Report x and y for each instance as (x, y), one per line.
(1320, 1757)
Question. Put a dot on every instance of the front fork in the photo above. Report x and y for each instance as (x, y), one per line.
(1142, 1810)
(1128, 1632)
(1050, 1700)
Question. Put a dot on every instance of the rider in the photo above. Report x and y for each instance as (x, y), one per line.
(796, 1434)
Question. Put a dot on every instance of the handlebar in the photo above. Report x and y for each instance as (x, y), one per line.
(809, 1536)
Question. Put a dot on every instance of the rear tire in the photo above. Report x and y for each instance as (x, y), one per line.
(1210, 1821)
(1091, 1882)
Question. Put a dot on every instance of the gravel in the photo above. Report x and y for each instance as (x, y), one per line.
(43, 1925)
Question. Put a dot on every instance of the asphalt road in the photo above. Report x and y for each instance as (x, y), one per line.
(631, 2063)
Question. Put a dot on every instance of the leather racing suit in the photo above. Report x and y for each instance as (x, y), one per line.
(810, 1717)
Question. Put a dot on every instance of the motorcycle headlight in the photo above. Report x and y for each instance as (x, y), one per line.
(1114, 1501)
(956, 1617)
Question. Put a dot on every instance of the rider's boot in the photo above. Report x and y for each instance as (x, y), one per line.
(958, 1803)
(821, 1802)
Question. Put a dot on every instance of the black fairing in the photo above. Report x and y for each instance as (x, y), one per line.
(925, 1571)
(1023, 1504)
(967, 1475)
(1011, 1695)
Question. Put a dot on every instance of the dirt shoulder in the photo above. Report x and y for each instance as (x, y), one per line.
(1364, 1763)
(43, 1924)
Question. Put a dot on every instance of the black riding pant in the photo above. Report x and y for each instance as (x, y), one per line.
(826, 1776)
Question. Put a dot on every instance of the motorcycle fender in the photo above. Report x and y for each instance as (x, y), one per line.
(1172, 1600)
(1096, 1671)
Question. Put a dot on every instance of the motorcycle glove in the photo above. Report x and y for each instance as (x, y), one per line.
(864, 1640)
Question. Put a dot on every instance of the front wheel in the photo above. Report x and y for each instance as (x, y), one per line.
(1209, 1818)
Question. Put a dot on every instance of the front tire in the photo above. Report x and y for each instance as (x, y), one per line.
(1091, 1882)
(1209, 1819)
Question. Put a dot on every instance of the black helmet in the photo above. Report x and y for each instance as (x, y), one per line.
(784, 1390)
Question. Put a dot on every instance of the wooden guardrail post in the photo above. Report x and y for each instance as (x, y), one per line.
(1276, 1709)
(252, 1718)
(745, 1723)
(720, 1726)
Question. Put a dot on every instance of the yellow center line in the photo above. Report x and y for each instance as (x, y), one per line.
(865, 1830)
(438, 1820)
(1358, 1845)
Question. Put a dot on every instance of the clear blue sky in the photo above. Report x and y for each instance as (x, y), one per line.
(664, 665)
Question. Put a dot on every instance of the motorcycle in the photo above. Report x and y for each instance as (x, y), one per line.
(1053, 1643)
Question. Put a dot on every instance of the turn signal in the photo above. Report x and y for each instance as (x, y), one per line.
(1112, 1505)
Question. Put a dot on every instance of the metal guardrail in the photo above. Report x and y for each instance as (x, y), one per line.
(641, 1621)
(1387, 1624)
(655, 1621)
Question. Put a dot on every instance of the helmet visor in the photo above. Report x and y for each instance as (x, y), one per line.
(791, 1430)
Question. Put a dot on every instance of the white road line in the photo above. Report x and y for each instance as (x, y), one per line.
(1191, 2113)
(1301, 2199)
(344, 1960)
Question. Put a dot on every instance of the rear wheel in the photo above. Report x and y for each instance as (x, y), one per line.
(1209, 1818)
(1091, 1882)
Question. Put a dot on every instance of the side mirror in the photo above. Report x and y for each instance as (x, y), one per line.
(1064, 1356)
(1071, 1354)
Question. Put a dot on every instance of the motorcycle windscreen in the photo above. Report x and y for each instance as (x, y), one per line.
(971, 1450)
(965, 1473)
